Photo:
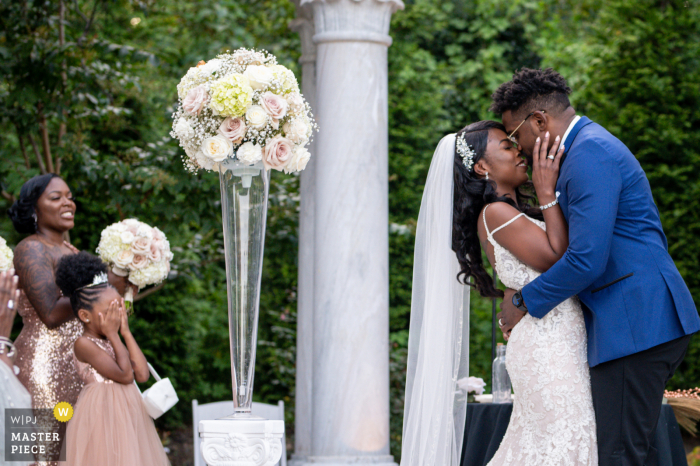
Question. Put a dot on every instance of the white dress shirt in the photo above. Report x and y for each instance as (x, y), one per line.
(568, 130)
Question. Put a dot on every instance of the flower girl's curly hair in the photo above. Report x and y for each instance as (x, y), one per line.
(74, 275)
(471, 194)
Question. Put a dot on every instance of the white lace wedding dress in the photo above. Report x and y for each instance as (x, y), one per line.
(553, 422)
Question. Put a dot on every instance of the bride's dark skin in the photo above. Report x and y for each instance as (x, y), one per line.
(525, 240)
(36, 256)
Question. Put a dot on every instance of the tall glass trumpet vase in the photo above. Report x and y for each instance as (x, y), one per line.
(242, 438)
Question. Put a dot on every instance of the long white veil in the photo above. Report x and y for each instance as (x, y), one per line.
(438, 345)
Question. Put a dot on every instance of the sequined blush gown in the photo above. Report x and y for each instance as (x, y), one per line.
(45, 359)
(110, 426)
(553, 422)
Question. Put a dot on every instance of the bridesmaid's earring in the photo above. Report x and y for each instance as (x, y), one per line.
(87, 320)
(487, 176)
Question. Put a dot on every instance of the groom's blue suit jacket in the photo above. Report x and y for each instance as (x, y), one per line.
(617, 262)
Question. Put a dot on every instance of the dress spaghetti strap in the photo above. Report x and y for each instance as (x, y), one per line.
(490, 234)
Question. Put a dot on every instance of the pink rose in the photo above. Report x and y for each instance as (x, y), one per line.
(233, 129)
(275, 106)
(155, 253)
(195, 100)
(277, 153)
(140, 261)
(141, 246)
(157, 234)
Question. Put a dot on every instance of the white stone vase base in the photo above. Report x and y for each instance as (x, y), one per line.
(381, 460)
(228, 442)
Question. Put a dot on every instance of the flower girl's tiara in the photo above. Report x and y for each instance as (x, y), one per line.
(99, 279)
(466, 152)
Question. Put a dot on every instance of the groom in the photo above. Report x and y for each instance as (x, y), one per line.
(639, 313)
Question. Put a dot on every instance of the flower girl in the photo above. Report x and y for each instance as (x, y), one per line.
(110, 426)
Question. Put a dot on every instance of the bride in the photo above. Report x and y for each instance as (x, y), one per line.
(472, 202)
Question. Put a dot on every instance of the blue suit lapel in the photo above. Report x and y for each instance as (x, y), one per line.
(561, 183)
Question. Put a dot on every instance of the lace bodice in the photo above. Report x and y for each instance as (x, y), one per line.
(553, 422)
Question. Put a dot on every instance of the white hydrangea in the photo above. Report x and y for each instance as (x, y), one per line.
(6, 256)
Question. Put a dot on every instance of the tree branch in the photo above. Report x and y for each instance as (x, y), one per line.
(149, 292)
(45, 143)
(23, 149)
(8, 196)
(64, 81)
(36, 152)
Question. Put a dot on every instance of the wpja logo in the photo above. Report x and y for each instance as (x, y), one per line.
(36, 434)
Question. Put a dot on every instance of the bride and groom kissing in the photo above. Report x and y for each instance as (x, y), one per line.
(596, 315)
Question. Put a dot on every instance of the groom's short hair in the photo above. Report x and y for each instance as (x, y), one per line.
(532, 90)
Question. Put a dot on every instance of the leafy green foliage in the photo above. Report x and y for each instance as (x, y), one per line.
(634, 68)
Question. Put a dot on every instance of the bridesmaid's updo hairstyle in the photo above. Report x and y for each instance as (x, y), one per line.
(22, 211)
(75, 275)
(471, 194)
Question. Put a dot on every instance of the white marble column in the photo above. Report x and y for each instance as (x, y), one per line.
(303, 25)
(350, 403)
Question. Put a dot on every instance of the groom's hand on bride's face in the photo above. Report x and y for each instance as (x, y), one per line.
(509, 315)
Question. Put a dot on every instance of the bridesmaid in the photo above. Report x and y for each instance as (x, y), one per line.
(45, 210)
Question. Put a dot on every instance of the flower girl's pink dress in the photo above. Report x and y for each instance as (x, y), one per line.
(110, 426)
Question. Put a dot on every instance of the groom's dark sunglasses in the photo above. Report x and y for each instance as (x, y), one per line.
(513, 138)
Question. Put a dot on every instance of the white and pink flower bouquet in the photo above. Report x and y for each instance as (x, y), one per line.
(136, 250)
(242, 106)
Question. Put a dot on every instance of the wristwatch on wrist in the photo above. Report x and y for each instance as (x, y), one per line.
(519, 302)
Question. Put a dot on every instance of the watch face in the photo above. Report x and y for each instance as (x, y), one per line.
(517, 299)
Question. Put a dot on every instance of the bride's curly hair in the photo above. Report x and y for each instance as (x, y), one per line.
(471, 194)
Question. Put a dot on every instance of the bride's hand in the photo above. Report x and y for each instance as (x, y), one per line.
(545, 168)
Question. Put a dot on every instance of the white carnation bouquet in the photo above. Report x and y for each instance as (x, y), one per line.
(136, 250)
(242, 106)
(6, 256)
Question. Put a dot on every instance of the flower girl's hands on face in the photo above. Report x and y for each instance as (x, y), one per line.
(124, 328)
(545, 168)
(111, 320)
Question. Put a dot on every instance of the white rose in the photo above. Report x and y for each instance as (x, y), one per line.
(295, 101)
(183, 129)
(127, 237)
(203, 161)
(259, 76)
(217, 148)
(249, 153)
(256, 116)
(472, 384)
(300, 158)
(210, 67)
(297, 130)
(123, 259)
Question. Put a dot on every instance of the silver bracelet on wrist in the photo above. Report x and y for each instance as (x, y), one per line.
(551, 204)
(7, 343)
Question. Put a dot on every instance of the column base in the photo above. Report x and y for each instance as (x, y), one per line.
(234, 442)
(381, 460)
